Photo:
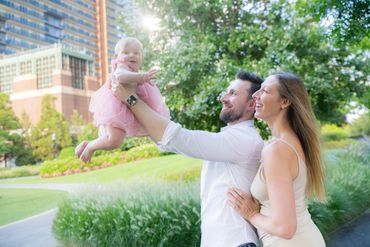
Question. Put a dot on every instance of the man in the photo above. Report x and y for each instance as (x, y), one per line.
(231, 157)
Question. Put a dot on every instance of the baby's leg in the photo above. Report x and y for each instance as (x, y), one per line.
(109, 138)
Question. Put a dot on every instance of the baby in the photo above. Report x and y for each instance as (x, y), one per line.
(114, 118)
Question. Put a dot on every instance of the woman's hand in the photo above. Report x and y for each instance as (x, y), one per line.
(246, 206)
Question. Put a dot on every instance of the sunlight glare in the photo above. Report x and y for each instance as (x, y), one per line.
(151, 22)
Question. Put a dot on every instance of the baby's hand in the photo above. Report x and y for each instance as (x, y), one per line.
(151, 74)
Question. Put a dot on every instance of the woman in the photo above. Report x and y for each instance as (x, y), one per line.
(291, 167)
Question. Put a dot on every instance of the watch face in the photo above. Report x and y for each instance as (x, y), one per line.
(131, 101)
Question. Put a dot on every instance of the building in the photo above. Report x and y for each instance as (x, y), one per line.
(55, 70)
(86, 28)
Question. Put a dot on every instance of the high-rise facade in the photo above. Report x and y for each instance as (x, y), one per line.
(86, 27)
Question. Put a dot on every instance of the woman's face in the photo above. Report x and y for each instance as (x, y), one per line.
(268, 99)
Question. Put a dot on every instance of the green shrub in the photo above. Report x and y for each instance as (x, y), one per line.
(150, 214)
(20, 171)
(58, 167)
(361, 126)
(142, 152)
(331, 132)
(89, 132)
(338, 144)
(67, 152)
(132, 142)
(71, 164)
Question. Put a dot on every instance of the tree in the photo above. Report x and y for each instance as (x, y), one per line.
(11, 143)
(203, 44)
(350, 19)
(52, 124)
(8, 122)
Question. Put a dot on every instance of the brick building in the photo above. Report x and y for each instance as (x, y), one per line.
(57, 47)
(56, 70)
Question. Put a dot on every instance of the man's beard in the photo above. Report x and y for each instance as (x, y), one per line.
(230, 116)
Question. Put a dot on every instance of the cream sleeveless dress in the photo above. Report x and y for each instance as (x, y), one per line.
(307, 234)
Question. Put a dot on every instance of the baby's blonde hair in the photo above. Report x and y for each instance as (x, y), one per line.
(122, 42)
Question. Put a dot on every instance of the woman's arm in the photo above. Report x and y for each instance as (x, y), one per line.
(125, 76)
(277, 162)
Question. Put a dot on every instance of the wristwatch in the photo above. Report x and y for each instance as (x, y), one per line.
(132, 100)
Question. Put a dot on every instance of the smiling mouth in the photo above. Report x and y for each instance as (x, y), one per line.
(259, 105)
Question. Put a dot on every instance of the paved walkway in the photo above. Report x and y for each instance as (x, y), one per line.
(354, 234)
(36, 230)
(31, 232)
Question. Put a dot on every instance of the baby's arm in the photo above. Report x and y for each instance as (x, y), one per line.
(124, 76)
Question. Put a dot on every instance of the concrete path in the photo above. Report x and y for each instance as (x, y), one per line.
(34, 231)
(31, 232)
(354, 234)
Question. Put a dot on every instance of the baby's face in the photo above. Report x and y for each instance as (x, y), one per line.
(132, 55)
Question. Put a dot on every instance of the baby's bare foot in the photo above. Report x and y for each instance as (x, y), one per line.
(86, 154)
(80, 148)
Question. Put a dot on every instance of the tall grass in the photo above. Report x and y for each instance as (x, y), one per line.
(167, 214)
(138, 214)
(348, 184)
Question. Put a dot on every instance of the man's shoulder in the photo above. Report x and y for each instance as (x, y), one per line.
(245, 132)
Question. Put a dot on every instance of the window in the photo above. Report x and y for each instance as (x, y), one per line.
(78, 68)
(26, 67)
(7, 74)
(44, 71)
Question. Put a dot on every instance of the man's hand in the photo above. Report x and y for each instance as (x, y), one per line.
(122, 92)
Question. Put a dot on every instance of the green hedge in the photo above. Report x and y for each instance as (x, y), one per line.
(20, 171)
(331, 132)
(147, 216)
(67, 152)
(361, 126)
(71, 164)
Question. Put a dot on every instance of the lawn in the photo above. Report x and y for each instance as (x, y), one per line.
(170, 166)
(16, 204)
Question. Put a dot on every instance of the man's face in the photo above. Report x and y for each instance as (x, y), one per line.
(235, 102)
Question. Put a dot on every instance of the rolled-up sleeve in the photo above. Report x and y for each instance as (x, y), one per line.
(232, 145)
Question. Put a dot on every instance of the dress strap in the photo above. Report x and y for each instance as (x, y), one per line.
(291, 146)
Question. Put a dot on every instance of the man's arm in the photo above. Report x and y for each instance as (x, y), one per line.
(233, 146)
(153, 123)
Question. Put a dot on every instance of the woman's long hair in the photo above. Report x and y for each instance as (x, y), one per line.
(303, 122)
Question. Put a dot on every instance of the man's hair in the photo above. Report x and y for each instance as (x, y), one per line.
(255, 80)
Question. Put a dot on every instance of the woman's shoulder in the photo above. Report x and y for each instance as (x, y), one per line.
(278, 150)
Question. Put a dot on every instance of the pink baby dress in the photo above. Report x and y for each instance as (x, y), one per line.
(109, 110)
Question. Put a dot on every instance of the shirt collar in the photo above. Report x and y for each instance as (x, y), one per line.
(247, 123)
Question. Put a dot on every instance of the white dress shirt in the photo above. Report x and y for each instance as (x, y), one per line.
(231, 159)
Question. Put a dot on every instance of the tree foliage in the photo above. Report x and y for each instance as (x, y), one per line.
(202, 45)
(51, 123)
(350, 19)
